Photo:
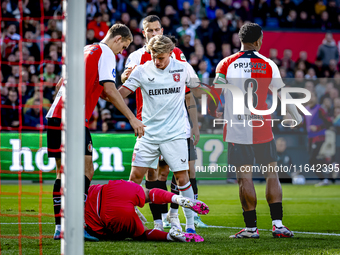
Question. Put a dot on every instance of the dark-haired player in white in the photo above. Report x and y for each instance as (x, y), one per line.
(249, 144)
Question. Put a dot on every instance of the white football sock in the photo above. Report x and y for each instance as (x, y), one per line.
(158, 221)
(277, 223)
(174, 199)
(187, 191)
(173, 211)
(251, 229)
(164, 216)
(58, 227)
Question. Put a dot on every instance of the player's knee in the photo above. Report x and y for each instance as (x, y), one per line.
(163, 173)
(182, 178)
(151, 174)
(136, 175)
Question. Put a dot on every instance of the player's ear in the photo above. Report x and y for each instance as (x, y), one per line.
(143, 32)
(170, 53)
(117, 38)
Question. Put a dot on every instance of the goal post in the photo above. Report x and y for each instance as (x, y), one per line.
(72, 222)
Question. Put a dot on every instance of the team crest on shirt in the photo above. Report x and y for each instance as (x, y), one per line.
(177, 77)
(90, 147)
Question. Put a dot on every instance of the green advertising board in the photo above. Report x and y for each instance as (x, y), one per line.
(112, 154)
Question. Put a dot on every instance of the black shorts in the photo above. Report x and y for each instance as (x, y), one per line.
(249, 154)
(54, 139)
(192, 155)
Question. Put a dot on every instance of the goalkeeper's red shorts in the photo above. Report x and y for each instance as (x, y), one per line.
(109, 209)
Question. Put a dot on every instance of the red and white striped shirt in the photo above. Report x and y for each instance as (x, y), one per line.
(244, 69)
(100, 64)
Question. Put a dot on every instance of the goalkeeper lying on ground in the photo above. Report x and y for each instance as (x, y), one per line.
(110, 212)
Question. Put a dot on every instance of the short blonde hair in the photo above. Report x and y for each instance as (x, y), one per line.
(160, 44)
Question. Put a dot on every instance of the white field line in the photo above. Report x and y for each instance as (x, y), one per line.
(210, 226)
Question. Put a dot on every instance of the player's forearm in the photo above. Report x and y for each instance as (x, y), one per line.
(192, 109)
(117, 100)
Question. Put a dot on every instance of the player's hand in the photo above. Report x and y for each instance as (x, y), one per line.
(195, 135)
(138, 127)
(128, 71)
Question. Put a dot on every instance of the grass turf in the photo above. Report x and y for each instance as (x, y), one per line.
(306, 209)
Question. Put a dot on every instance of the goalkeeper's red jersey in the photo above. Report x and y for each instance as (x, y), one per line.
(100, 64)
(244, 69)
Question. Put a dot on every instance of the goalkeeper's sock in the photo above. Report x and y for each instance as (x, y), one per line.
(276, 213)
(159, 196)
(57, 201)
(174, 189)
(163, 207)
(250, 219)
(155, 209)
(156, 235)
(87, 186)
(186, 191)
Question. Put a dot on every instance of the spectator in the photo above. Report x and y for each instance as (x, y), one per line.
(277, 10)
(138, 41)
(226, 50)
(167, 26)
(186, 29)
(98, 26)
(288, 6)
(193, 61)
(49, 75)
(333, 11)
(325, 23)
(213, 57)
(203, 31)
(283, 160)
(11, 39)
(203, 74)
(273, 56)
(10, 110)
(195, 22)
(245, 12)
(310, 75)
(32, 46)
(223, 33)
(291, 20)
(328, 50)
(199, 52)
(37, 94)
(319, 7)
(316, 126)
(172, 14)
(303, 56)
(185, 46)
(332, 68)
(326, 104)
(303, 21)
(34, 117)
(336, 121)
(186, 11)
(261, 10)
(211, 9)
(309, 85)
(235, 43)
(320, 88)
(90, 37)
(287, 61)
(197, 9)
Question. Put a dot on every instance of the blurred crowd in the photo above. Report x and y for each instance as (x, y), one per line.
(206, 31)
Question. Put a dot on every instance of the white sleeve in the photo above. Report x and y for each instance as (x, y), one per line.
(107, 66)
(134, 80)
(133, 60)
(276, 77)
(192, 80)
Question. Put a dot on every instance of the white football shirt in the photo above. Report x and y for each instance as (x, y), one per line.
(163, 92)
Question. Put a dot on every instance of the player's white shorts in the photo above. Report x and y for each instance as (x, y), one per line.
(175, 153)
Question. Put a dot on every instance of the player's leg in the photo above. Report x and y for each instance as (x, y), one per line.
(88, 174)
(150, 183)
(163, 172)
(54, 151)
(243, 157)
(175, 154)
(266, 155)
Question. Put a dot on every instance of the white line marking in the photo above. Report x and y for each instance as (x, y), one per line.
(210, 226)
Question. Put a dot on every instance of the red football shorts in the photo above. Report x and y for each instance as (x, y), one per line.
(110, 209)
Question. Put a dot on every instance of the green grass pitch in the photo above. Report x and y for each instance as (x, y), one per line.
(306, 209)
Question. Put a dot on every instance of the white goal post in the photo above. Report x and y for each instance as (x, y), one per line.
(73, 135)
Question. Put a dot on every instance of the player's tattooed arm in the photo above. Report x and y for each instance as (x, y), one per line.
(125, 75)
(192, 109)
